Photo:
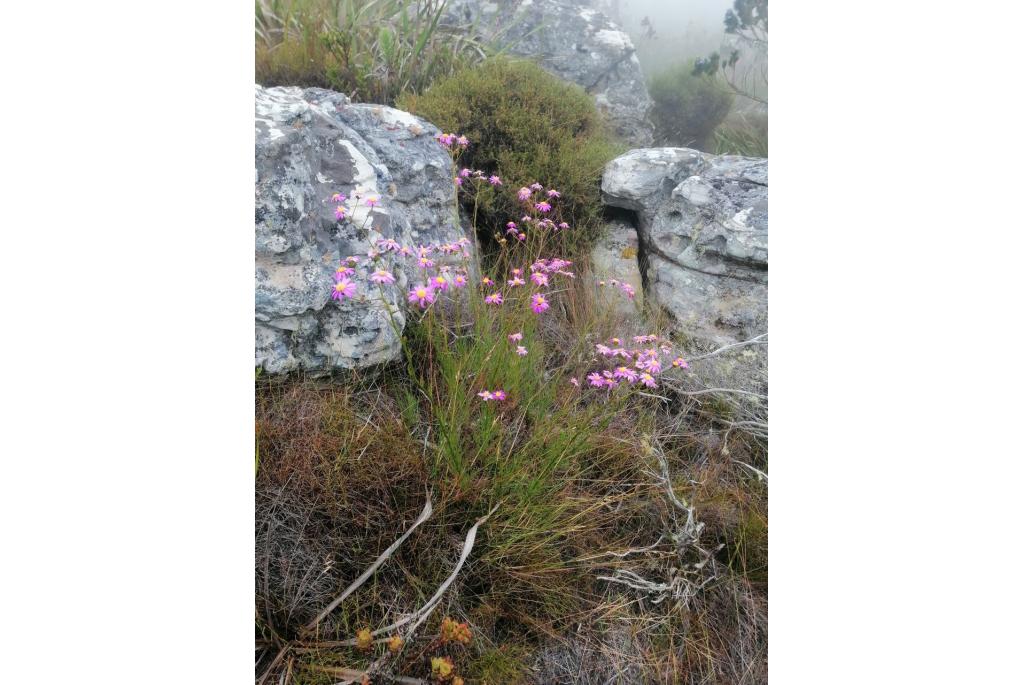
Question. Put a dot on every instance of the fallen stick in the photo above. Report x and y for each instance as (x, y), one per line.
(428, 509)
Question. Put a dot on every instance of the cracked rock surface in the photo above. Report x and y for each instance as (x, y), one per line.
(574, 42)
(310, 144)
(702, 221)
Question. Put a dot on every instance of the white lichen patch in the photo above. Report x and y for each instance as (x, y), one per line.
(396, 117)
(614, 39)
(741, 217)
(365, 185)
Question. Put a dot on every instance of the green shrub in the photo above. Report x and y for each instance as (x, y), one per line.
(687, 108)
(528, 126)
(371, 51)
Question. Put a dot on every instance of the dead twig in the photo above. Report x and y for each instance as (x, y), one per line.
(428, 509)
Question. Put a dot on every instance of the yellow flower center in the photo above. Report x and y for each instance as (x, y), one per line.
(339, 286)
(421, 293)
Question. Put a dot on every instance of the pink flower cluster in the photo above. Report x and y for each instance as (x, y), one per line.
(476, 175)
(638, 365)
(497, 395)
(452, 142)
(540, 277)
(344, 205)
(626, 288)
(437, 276)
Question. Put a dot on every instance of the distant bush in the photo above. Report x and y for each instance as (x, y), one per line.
(687, 107)
(371, 51)
(534, 128)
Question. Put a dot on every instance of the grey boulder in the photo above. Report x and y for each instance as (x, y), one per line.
(703, 227)
(574, 42)
(310, 144)
(615, 265)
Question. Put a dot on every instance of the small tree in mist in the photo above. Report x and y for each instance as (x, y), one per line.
(747, 21)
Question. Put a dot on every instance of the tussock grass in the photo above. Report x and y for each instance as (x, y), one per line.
(743, 134)
(371, 50)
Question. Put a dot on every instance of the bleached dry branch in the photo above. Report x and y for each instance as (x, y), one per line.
(428, 509)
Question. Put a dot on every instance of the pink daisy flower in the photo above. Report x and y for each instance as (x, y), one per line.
(520, 350)
(563, 225)
(524, 194)
(439, 283)
(595, 379)
(521, 237)
(516, 337)
(459, 281)
(423, 295)
(339, 212)
(574, 382)
(626, 373)
(343, 272)
(536, 186)
(464, 173)
(538, 304)
(372, 201)
(543, 206)
(463, 141)
(539, 278)
(628, 289)
(381, 276)
(680, 363)
(494, 298)
(458, 181)
(425, 263)
(343, 288)
(337, 198)
(648, 380)
(554, 193)
(513, 282)
(487, 395)
(494, 180)
(499, 395)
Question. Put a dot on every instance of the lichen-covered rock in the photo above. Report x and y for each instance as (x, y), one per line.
(703, 227)
(614, 259)
(311, 144)
(574, 42)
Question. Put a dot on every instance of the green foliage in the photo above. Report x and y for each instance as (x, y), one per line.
(742, 137)
(527, 126)
(370, 50)
(748, 22)
(687, 107)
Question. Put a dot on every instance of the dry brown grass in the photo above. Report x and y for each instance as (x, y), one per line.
(345, 465)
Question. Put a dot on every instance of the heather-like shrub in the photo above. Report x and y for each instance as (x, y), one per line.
(529, 127)
(687, 107)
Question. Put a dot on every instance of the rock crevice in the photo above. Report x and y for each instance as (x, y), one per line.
(703, 230)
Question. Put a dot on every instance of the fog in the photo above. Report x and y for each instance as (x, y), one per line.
(683, 29)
